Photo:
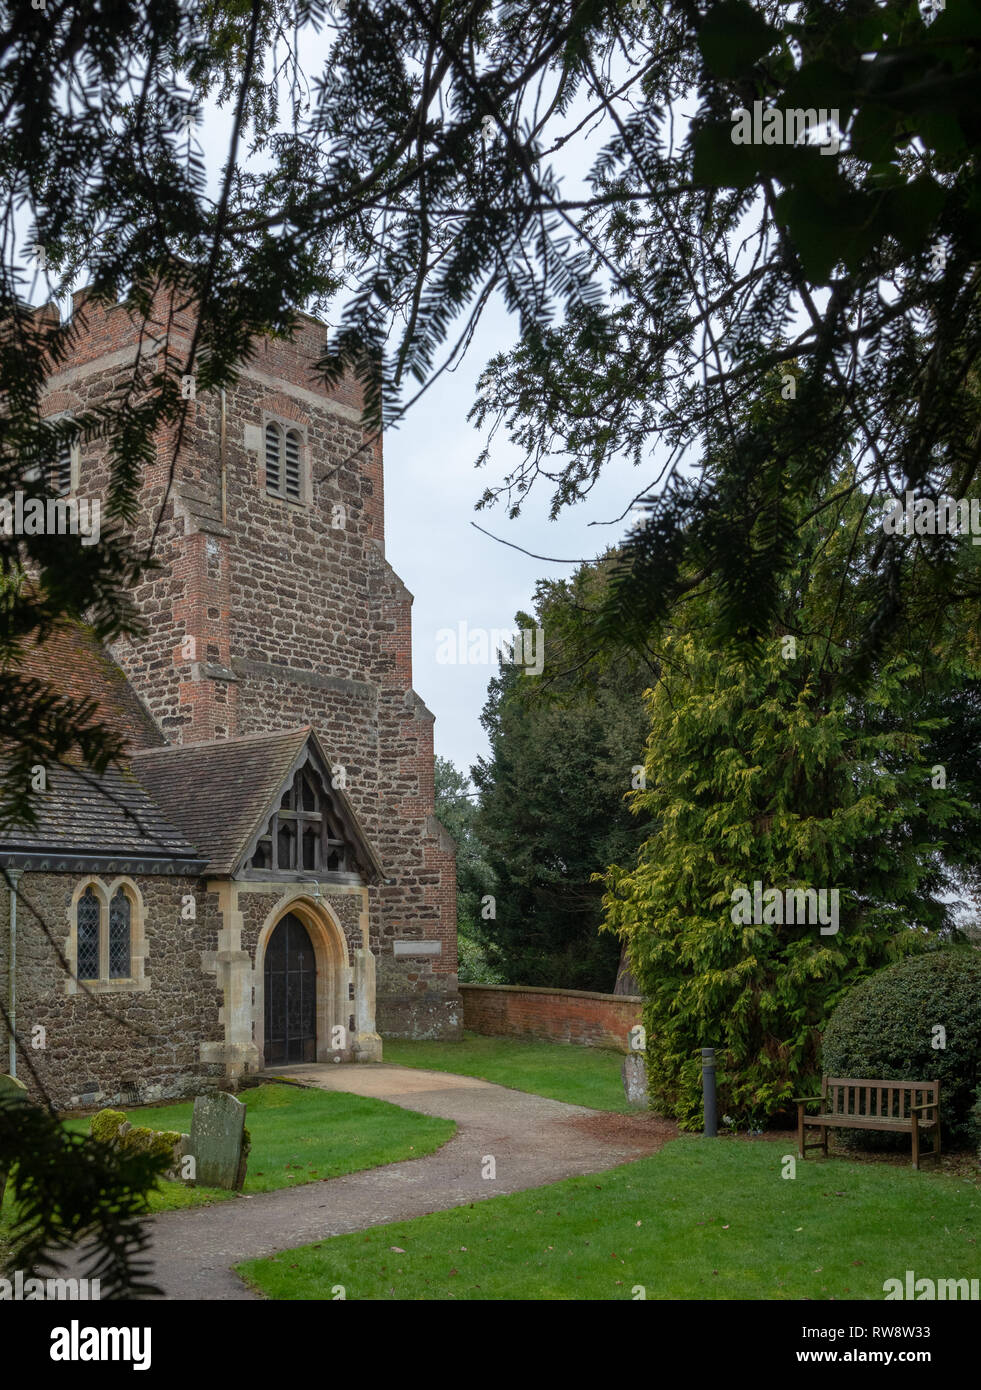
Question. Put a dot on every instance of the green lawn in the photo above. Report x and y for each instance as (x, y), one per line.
(702, 1219)
(298, 1136)
(582, 1075)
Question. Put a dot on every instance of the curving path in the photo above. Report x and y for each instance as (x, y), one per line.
(533, 1141)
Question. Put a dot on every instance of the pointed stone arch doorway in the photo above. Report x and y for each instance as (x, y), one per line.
(303, 980)
(290, 994)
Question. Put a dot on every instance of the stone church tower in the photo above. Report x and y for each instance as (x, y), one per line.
(272, 606)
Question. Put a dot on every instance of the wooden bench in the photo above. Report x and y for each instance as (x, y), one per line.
(889, 1106)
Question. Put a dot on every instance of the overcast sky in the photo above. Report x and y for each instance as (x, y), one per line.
(456, 573)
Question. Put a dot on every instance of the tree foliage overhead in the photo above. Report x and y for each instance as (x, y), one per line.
(576, 160)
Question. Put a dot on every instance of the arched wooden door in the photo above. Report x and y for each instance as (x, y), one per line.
(290, 995)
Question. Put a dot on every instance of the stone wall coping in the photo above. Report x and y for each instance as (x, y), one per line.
(572, 993)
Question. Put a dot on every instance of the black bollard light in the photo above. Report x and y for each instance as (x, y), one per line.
(711, 1128)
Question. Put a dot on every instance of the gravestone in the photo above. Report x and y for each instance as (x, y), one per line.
(11, 1090)
(217, 1129)
(635, 1078)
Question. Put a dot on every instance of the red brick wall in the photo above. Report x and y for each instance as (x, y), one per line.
(552, 1015)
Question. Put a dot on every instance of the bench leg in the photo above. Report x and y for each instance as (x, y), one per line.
(824, 1137)
(916, 1141)
(800, 1131)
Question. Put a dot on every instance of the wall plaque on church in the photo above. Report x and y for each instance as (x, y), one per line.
(418, 948)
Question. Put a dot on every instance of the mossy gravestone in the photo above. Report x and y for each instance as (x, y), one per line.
(217, 1135)
(11, 1092)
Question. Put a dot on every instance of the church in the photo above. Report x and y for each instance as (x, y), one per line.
(263, 881)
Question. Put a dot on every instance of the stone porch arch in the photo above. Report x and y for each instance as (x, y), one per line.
(334, 973)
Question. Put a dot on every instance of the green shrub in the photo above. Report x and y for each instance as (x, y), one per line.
(884, 1027)
(473, 965)
(105, 1125)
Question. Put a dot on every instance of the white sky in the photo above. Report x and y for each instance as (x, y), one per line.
(456, 573)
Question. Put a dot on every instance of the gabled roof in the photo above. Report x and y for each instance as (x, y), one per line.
(223, 792)
(108, 817)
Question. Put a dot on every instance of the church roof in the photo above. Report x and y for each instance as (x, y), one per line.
(97, 818)
(82, 815)
(223, 792)
(74, 664)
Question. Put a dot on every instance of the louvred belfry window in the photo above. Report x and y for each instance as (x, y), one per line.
(303, 835)
(273, 459)
(61, 473)
(57, 468)
(283, 462)
(291, 485)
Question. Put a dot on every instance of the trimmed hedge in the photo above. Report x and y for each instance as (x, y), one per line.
(884, 1027)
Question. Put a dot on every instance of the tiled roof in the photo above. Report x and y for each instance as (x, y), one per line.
(73, 663)
(109, 815)
(220, 792)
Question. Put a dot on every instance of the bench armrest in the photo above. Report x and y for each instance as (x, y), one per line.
(927, 1105)
(805, 1100)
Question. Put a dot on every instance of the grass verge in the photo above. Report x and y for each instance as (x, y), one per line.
(581, 1075)
(298, 1136)
(699, 1220)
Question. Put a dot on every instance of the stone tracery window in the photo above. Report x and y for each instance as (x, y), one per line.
(88, 915)
(104, 930)
(120, 910)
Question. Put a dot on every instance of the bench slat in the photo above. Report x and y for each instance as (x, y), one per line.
(880, 1081)
(864, 1122)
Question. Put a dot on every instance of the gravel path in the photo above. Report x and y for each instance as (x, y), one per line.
(533, 1141)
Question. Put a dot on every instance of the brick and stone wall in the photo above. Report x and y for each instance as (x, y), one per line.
(265, 614)
(150, 1036)
(551, 1015)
